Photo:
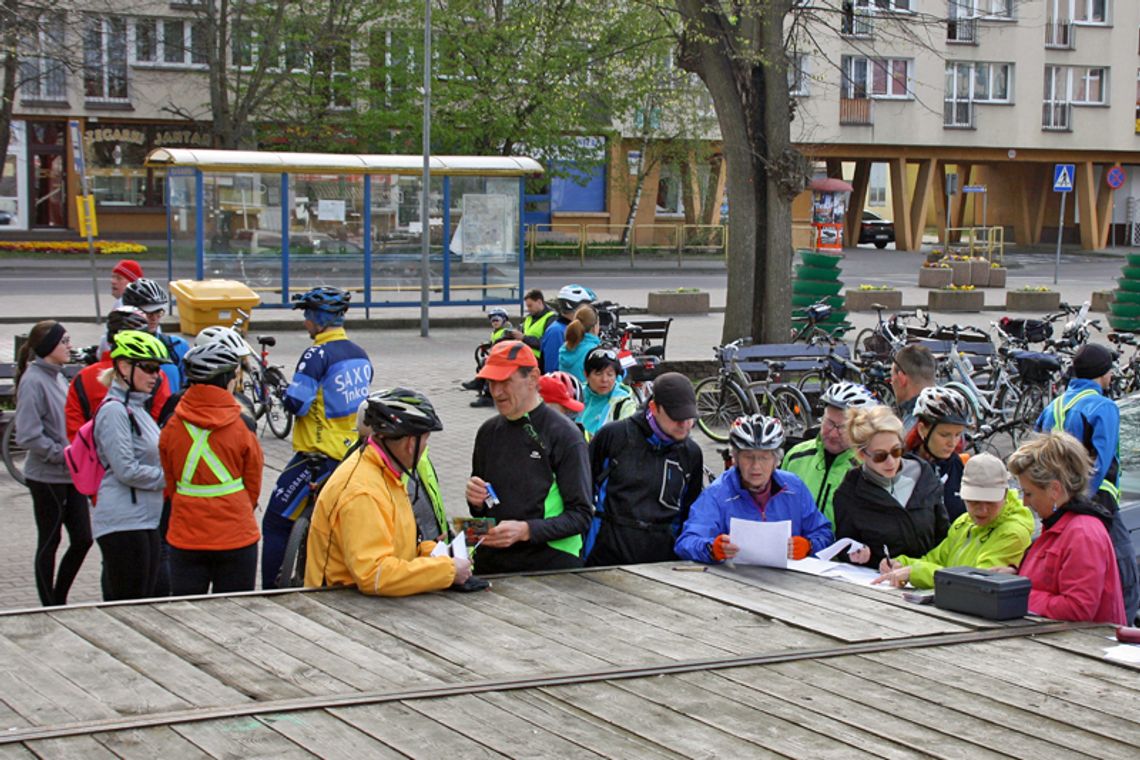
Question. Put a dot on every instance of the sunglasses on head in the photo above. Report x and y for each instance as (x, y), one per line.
(149, 367)
(878, 457)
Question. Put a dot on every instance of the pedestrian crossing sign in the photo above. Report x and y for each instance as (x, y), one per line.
(1063, 178)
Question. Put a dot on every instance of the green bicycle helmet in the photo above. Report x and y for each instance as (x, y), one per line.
(139, 346)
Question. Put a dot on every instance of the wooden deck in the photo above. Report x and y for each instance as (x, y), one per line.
(648, 661)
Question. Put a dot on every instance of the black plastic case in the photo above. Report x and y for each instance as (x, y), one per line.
(985, 593)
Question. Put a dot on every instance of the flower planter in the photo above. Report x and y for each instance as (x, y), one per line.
(997, 277)
(934, 277)
(864, 300)
(1101, 300)
(980, 273)
(960, 273)
(956, 300)
(1032, 300)
(672, 302)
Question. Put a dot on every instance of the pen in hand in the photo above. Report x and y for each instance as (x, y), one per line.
(887, 555)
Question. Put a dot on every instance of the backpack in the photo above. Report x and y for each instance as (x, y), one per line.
(82, 457)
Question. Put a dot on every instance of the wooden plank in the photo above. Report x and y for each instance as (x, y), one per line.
(226, 666)
(920, 202)
(499, 730)
(164, 667)
(900, 201)
(239, 737)
(327, 736)
(793, 612)
(1092, 646)
(118, 686)
(1084, 188)
(9, 718)
(77, 747)
(40, 695)
(147, 743)
(655, 722)
(412, 733)
(576, 726)
(15, 752)
(946, 667)
(943, 703)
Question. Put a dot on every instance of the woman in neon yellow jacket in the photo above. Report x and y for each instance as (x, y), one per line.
(994, 532)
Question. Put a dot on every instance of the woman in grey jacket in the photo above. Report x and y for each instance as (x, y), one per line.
(42, 431)
(129, 503)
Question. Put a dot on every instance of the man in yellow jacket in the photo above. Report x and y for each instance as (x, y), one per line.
(363, 529)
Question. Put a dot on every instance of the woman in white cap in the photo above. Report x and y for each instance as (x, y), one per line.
(995, 530)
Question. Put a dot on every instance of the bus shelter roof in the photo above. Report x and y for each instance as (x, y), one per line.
(341, 163)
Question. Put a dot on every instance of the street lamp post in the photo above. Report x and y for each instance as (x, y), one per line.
(425, 246)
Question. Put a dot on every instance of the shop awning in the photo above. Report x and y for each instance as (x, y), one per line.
(830, 185)
(341, 163)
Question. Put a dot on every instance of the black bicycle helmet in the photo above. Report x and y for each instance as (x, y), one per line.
(847, 395)
(146, 294)
(328, 300)
(209, 360)
(935, 404)
(400, 412)
(756, 432)
(125, 318)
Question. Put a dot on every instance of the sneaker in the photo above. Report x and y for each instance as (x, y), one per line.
(483, 401)
(472, 385)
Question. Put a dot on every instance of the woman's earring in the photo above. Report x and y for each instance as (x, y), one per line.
(1054, 506)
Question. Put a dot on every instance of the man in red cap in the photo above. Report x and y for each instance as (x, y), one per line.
(530, 472)
(124, 273)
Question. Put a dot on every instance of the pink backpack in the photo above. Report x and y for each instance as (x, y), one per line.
(82, 456)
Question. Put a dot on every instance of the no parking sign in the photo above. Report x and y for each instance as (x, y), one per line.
(1114, 177)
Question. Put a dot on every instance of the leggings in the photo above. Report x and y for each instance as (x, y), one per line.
(194, 571)
(130, 564)
(58, 506)
(275, 531)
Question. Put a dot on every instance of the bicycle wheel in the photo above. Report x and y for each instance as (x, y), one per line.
(812, 384)
(718, 405)
(292, 572)
(1033, 399)
(789, 406)
(882, 391)
(251, 390)
(13, 453)
(278, 418)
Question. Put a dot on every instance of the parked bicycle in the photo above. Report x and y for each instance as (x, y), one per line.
(889, 335)
(264, 385)
(733, 393)
(811, 329)
(869, 371)
(292, 572)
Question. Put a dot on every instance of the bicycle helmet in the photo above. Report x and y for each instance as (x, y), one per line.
(572, 384)
(400, 412)
(498, 314)
(125, 318)
(324, 299)
(847, 395)
(600, 358)
(146, 294)
(209, 360)
(139, 346)
(226, 336)
(571, 297)
(756, 432)
(935, 404)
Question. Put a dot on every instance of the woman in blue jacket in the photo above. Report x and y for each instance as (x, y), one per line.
(753, 489)
(581, 339)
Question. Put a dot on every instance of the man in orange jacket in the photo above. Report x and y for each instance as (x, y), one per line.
(213, 463)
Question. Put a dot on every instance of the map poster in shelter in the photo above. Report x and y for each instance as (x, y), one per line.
(488, 233)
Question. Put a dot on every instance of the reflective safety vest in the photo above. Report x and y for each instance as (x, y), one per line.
(1060, 409)
(200, 450)
(534, 327)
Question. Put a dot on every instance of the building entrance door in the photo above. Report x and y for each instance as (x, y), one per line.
(47, 165)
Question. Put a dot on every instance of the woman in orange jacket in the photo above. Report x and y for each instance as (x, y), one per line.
(213, 464)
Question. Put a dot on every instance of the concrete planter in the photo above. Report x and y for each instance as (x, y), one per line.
(1101, 299)
(997, 277)
(980, 273)
(864, 300)
(956, 300)
(934, 277)
(671, 302)
(1033, 301)
(960, 273)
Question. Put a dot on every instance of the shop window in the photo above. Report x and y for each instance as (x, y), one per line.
(105, 58)
(115, 158)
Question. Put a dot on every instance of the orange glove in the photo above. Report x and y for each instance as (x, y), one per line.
(801, 547)
(716, 548)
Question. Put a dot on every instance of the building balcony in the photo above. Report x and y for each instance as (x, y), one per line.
(958, 114)
(1057, 117)
(855, 112)
(857, 25)
(962, 31)
(1060, 35)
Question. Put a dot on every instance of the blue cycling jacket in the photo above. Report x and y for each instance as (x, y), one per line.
(552, 340)
(1094, 420)
(331, 379)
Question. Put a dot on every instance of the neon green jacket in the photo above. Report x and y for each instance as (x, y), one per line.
(999, 544)
(807, 461)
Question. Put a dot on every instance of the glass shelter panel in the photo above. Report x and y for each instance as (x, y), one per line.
(397, 238)
(242, 229)
(484, 241)
(326, 233)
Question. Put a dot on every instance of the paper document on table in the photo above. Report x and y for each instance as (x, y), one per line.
(761, 543)
(854, 574)
(1129, 653)
(850, 544)
(810, 565)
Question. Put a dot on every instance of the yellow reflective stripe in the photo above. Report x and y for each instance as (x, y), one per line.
(199, 450)
(1110, 489)
(1060, 409)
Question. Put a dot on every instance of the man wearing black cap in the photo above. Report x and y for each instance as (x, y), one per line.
(1086, 413)
(647, 473)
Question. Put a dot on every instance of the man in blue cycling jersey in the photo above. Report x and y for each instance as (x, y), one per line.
(330, 381)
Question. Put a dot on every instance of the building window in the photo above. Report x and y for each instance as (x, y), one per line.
(798, 75)
(877, 77)
(877, 186)
(981, 8)
(1077, 85)
(978, 82)
(669, 200)
(885, 5)
(42, 72)
(1090, 11)
(105, 58)
(169, 42)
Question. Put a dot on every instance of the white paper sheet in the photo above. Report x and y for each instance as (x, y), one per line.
(1129, 653)
(457, 547)
(850, 544)
(441, 549)
(810, 565)
(761, 543)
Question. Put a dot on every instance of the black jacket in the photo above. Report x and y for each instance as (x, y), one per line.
(643, 490)
(866, 512)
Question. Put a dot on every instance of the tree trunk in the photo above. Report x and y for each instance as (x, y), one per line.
(10, 72)
(643, 168)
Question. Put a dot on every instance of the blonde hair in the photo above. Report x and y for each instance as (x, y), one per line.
(584, 320)
(1053, 456)
(865, 423)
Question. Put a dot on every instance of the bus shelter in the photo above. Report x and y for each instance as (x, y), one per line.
(286, 222)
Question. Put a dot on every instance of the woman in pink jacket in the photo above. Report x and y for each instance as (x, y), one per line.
(1072, 563)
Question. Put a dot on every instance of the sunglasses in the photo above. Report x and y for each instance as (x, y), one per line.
(149, 367)
(878, 457)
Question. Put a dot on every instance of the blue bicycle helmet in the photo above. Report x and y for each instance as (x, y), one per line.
(323, 305)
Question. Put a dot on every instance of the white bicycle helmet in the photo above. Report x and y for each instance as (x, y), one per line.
(935, 404)
(572, 296)
(225, 335)
(498, 314)
(847, 395)
(756, 432)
